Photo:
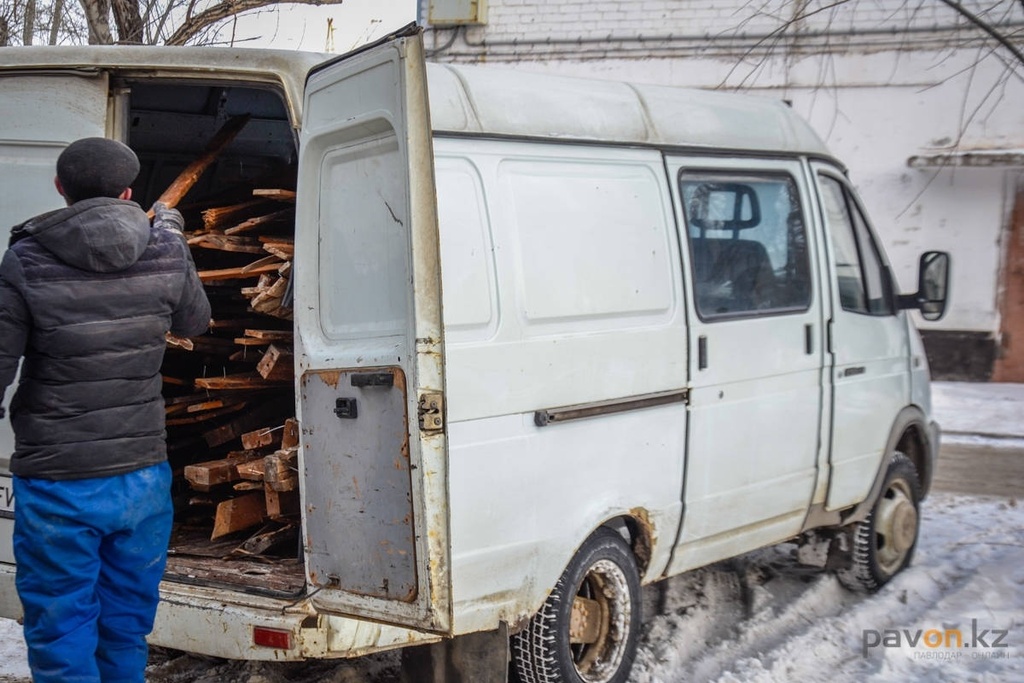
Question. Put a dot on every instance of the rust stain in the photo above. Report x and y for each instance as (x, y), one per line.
(643, 543)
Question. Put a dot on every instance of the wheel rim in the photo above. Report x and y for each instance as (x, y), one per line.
(600, 620)
(895, 527)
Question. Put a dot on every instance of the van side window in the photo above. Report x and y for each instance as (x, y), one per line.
(859, 269)
(748, 243)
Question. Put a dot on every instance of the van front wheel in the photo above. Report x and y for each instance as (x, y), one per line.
(586, 631)
(883, 544)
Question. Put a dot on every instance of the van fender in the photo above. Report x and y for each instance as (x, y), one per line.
(920, 441)
(911, 429)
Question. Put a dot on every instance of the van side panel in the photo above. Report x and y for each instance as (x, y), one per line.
(39, 116)
(554, 256)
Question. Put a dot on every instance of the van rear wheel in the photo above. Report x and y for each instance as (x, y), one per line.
(586, 631)
(884, 542)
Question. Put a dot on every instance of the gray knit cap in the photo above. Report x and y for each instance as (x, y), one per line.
(96, 167)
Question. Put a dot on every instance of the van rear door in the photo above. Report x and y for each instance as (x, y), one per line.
(368, 342)
(40, 114)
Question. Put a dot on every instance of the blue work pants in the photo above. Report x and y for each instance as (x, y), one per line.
(90, 554)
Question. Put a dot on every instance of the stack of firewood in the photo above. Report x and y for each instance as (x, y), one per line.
(229, 394)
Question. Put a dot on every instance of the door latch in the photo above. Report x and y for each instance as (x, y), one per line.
(431, 410)
(346, 408)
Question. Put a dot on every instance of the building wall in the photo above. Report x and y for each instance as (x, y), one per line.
(880, 80)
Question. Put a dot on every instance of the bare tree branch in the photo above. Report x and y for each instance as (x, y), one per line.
(987, 28)
(55, 21)
(28, 25)
(197, 23)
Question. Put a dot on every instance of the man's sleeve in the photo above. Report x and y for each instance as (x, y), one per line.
(15, 321)
(192, 315)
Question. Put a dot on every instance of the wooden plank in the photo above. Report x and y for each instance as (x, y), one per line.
(268, 411)
(281, 503)
(265, 261)
(188, 177)
(251, 470)
(260, 438)
(239, 513)
(243, 245)
(271, 335)
(239, 273)
(283, 253)
(204, 475)
(285, 215)
(277, 364)
(247, 380)
(280, 470)
(275, 194)
(252, 341)
(196, 418)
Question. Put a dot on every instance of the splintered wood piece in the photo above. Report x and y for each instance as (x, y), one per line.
(216, 217)
(240, 273)
(207, 405)
(188, 177)
(203, 475)
(271, 335)
(282, 252)
(280, 503)
(277, 364)
(180, 342)
(286, 269)
(251, 470)
(269, 538)
(280, 470)
(243, 381)
(248, 486)
(279, 240)
(242, 245)
(261, 221)
(277, 195)
(267, 436)
(290, 438)
(239, 513)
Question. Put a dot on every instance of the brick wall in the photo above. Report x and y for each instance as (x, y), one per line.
(519, 30)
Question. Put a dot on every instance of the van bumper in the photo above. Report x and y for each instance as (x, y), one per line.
(223, 624)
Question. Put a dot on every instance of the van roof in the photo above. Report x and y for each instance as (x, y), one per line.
(486, 100)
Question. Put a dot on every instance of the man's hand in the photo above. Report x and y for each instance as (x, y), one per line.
(167, 218)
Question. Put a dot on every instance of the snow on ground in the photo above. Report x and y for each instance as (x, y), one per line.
(762, 618)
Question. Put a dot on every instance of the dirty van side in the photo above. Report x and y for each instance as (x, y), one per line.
(539, 359)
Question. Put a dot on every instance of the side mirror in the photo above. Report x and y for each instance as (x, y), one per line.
(932, 286)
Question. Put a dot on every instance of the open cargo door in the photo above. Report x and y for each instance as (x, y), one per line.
(368, 330)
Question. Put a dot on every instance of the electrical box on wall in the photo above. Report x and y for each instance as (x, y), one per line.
(456, 12)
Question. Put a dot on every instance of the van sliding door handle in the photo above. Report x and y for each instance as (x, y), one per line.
(808, 339)
(702, 352)
(856, 370)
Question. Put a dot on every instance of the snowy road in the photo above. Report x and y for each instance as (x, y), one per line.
(762, 618)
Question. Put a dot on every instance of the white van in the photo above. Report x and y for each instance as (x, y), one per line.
(554, 339)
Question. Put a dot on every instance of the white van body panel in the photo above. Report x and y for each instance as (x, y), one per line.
(542, 239)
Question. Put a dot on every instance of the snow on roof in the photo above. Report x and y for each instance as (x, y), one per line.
(485, 100)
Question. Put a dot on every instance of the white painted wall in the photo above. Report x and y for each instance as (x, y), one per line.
(876, 93)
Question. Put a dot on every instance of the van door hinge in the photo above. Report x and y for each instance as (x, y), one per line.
(431, 412)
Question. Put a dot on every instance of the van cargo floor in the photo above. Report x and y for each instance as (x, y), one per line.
(194, 558)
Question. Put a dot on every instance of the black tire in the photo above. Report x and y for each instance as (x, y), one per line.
(884, 543)
(601, 579)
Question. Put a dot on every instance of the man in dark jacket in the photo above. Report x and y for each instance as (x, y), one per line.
(87, 294)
